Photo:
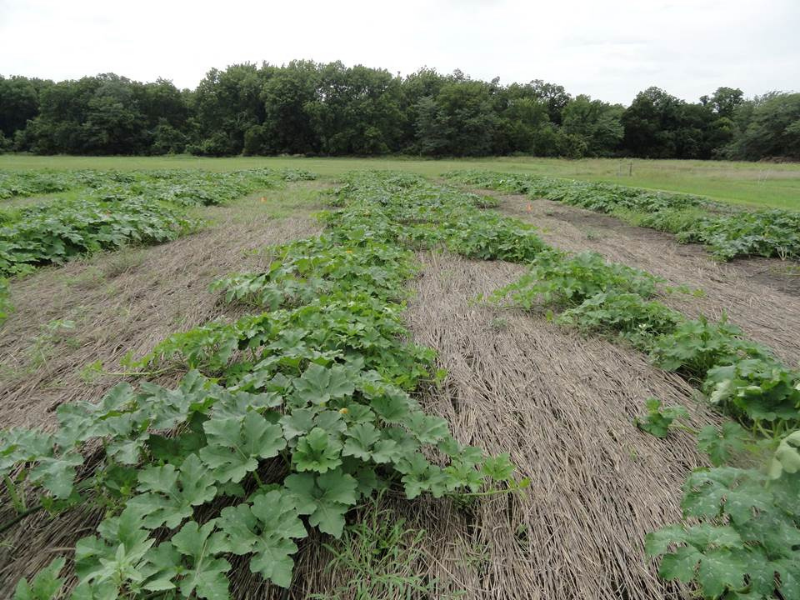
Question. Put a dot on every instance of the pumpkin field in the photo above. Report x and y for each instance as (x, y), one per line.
(356, 379)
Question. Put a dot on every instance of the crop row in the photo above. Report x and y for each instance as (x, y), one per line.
(59, 231)
(25, 184)
(744, 538)
(286, 420)
(728, 232)
(190, 188)
(184, 183)
(113, 210)
(742, 378)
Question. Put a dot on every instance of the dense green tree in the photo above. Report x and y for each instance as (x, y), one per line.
(19, 102)
(659, 125)
(690, 134)
(165, 114)
(555, 96)
(595, 122)
(770, 128)
(524, 122)
(226, 105)
(650, 123)
(108, 114)
(93, 115)
(312, 108)
(422, 84)
(114, 123)
(724, 101)
(357, 110)
(287, 124)
(167, 139)
(430, 128)
(463, 122)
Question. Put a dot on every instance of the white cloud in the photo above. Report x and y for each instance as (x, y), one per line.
(609, 49)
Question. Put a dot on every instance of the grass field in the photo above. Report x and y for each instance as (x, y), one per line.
(752, 184)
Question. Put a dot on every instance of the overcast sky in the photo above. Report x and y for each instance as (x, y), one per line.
(610, 49)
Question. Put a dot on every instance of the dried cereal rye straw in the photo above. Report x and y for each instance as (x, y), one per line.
(562, 406)
(762, 296)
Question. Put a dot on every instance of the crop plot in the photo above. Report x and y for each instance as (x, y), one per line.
(728, 232)
(537, 451)
(112, 210)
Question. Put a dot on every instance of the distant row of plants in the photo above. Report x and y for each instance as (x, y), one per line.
(181, 186)
(61, 230)
(24, 184)
(727, 231)
(112, 209)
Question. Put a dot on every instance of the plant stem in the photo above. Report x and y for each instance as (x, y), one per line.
(16, 499)
(20, 517)
(509, 490)
(686, 428)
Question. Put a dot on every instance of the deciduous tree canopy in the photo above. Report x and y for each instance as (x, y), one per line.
(331, 109)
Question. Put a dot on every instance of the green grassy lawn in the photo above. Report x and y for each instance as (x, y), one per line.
(754, 184)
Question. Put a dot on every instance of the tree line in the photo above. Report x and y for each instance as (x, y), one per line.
(329, 109)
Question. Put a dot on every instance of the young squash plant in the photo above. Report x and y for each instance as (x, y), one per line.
(743, 540)
(659, 420)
